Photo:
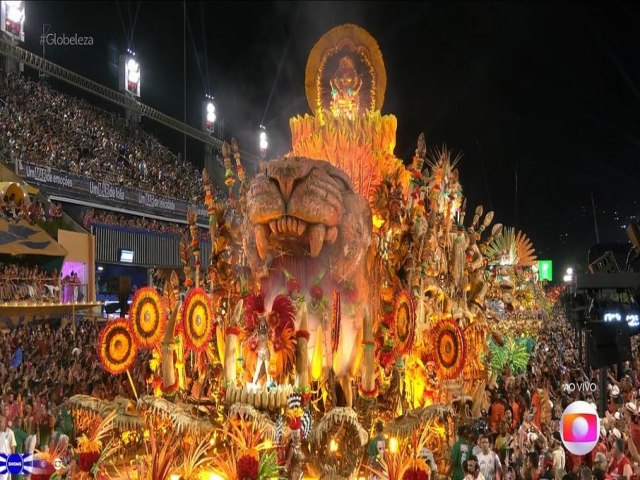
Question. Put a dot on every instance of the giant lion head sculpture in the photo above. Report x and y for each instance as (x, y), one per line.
(308, 210)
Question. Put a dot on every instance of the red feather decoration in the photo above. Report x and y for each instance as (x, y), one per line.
(253, 305)
(284, 312)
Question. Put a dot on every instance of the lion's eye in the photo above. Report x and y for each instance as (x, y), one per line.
(341, 181)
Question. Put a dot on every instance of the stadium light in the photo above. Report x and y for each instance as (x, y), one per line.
(209, 114)
(12, 14)
(568, 275)
(130, 74)
(264, 142)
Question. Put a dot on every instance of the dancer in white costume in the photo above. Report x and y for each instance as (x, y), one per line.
(264, 355)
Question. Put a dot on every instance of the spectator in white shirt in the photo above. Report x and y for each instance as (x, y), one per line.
(559, 458)
(7, 442)
(488, 460)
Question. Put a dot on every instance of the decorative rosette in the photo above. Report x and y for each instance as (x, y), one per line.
(335, 321)
(148, 318)
(404, 320)
(116, 346)
(450, 349)
(197, 320)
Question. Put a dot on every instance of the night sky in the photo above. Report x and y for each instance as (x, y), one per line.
(550, 91)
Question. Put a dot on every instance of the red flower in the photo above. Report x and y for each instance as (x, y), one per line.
(316, 291)
(295, 423)
(387, 320)
(247, 468)
(87, 460)
(415, 474)
(386, 358)
(425, 357)
(351, 292)
(293, 285)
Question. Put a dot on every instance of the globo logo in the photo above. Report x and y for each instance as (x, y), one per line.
(579, 428)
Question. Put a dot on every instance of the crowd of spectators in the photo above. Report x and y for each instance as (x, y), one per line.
(15, 210)
(21, 282)
(31, 283)
(48, 128)
(40, 369)
(104, 217)
(519, 434)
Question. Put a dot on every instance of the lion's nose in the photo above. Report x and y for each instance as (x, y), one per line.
(286, 187)
(286, 178)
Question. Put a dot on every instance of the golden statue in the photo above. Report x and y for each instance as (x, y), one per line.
(345, 90)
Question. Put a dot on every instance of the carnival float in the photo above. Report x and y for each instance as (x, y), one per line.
(346, 287)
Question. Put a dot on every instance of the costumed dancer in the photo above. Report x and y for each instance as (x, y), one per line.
(375, 450)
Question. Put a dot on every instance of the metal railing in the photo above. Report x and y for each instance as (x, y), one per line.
(42, 291)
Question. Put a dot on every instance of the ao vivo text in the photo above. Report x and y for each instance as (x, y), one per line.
(581, 387)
